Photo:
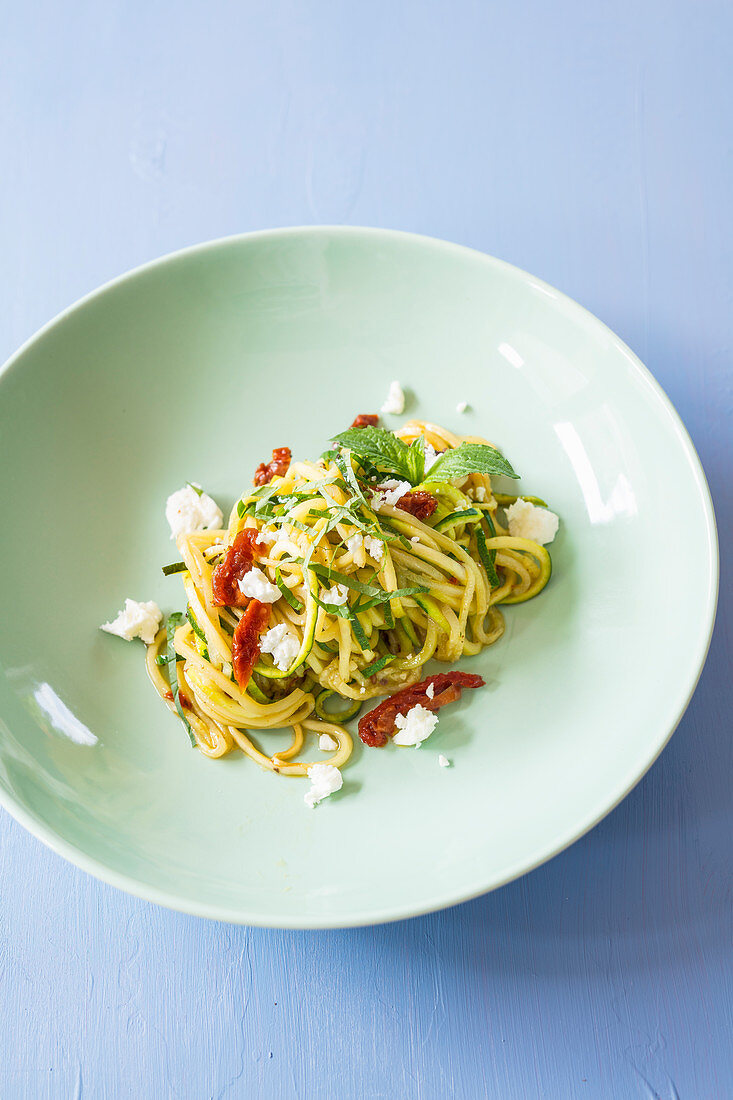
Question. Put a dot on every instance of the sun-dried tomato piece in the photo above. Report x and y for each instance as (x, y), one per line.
(182, 699)
(278, 467)
(246, 640)
(238, 561)
(376, 727)
(366, 420)
(419, 504)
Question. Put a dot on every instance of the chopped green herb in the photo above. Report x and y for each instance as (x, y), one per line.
(176, 567)
(325, 572)
(287, 594)
(174, 621)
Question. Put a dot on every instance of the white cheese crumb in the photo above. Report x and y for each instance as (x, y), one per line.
(278, 538)
(282, 644)
(527, 521)
(187, 511)
(325, 779)
(443, 761)
(375, 547)
(479, 493)
(256, 585)
(395, 402)
(415, 538)
(268, 534)
(461, 406)
(415, 726)
(389, 492)
(430, 691)
(339, 594)
(354, 543)
(431, 456)
(136, 620)
(326, 743)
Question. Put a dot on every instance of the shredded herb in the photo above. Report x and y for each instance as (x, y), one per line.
(174, 621)
(325, 572)
(343, 461)
(196, 488)
(287, 594)
(343, 611)
(176, 567)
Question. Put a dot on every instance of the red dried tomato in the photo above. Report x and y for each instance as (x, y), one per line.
(238, 561)
(366, 420)
(182, 699)
(278, 467)
(376, 727)
(246, 640)
(419, 504)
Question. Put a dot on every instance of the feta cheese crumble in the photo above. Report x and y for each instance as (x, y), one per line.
(395, 402)
(431, 456)
(339, 594)
(256, 585)
(282, 644)
(461, 406)
(269, 534)
(325, 779)
(527, 521)
(415, 538)
(415, 726)
(188, 510)
(136, 620)
(430, 691)
(389, 492)
(372, 545)
(443, 761)
(478, 493)
(326, 743)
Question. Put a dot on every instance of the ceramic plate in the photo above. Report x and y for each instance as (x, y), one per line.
(193, 368)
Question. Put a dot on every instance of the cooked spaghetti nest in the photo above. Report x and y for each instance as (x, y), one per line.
(448, 576)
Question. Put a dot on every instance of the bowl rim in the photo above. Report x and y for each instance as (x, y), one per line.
(238, 915)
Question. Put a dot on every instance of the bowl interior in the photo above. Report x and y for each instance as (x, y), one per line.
(193, 368)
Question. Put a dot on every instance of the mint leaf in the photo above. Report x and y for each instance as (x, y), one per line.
(470, 458)
(343, 462)
(381, 447)
(416, 460)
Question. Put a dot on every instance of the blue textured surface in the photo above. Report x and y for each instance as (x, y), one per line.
(589, 143)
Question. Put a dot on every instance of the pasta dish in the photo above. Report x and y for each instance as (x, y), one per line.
(336, 581)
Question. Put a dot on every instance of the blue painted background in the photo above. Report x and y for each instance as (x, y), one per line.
(591, 143)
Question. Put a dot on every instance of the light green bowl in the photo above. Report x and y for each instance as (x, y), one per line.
(193, 368)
